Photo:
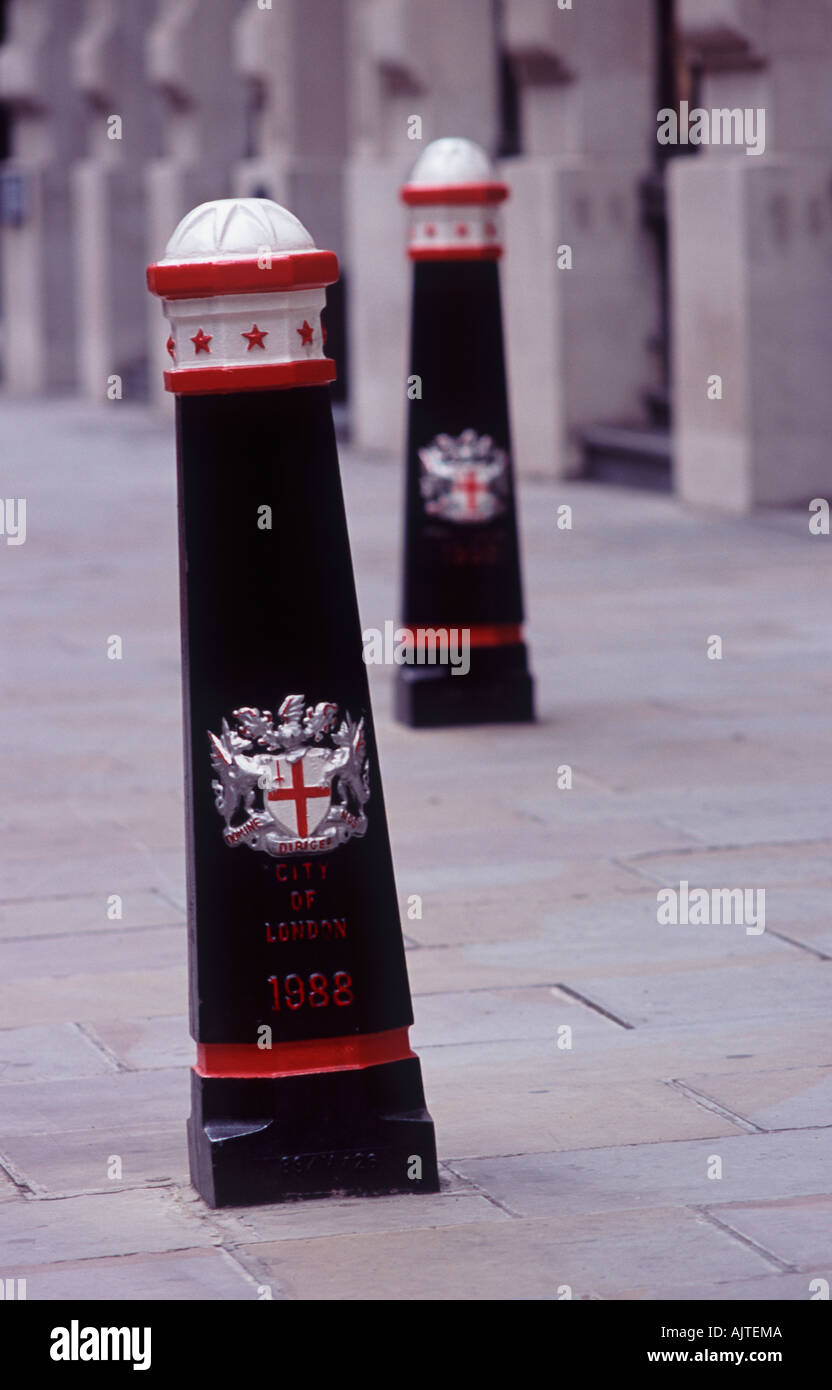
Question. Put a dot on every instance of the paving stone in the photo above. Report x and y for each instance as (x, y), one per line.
(46, 1230)
(66, 916)
(79, 1160)
(737, 993)
(755, 1166)
(751, 867)
(88, 998)
(614, 936)
(9, 1191)
(533, 1105)
(178, 1276)
(488, 1015)
(92, 953)
(453, 871)
(125, 1100)
(75, 873)
(787, 1098)
(145, 1043)
(49, 1053)
(796, 1229)
(771, 1288)
(509, 1260)
(305, 1220)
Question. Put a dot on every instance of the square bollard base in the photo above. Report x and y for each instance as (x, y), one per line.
(273, 1139)
(498, 689)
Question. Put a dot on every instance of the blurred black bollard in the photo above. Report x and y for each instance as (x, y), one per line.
(462, 561)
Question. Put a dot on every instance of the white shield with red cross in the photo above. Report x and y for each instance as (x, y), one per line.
(465, 479)
(297, 794)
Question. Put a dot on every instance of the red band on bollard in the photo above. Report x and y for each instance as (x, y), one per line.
(267, 376)
(301, 1058)
(202, 279)
(495, 635)
(454, 253)
(455, 194)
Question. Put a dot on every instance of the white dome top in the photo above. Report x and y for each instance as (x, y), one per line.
(452, 160)
(236, 227)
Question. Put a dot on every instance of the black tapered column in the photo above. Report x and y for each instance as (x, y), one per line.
(462, 562)
(305, 1082)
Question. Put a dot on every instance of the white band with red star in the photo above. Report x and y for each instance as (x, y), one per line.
(239, 342)
(454, 232)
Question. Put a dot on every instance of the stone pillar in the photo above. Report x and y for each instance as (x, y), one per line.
(578, 339)
(39, 290)
(436, 62)
(291, 59)
(122, 134)
(188, 52)
(751, 243)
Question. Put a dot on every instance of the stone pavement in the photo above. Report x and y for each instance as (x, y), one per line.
(588, 1167)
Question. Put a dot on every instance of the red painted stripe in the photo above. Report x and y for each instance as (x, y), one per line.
(494, 635)
(454, 253)
(301, 1058)
(290, 270)
(419, 195)
(268, 376)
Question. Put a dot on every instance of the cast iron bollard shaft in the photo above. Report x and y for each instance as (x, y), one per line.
(305, 1082)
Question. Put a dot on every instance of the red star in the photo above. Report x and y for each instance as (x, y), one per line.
(200, 341)
(170, 345)
(256, 336)
(306, 334)
(490, 229)
(430, 230)
(462, 229)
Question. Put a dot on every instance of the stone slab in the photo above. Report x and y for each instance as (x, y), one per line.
(497, 1015)
(181, 1275)
(736, 994)
(788, 1098)
(79, 1160)
(534, 1105)
(307, 1220)
(60, 916)
(146, 1043)
(798, 1230)
(755, 1166)
(49, 1053)
(46, 1230)
(88, 998)
(95, 953)
(125, 1100)
(511, 1260)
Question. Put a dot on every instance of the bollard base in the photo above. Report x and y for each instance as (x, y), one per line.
(274, 1139)
(498, 689)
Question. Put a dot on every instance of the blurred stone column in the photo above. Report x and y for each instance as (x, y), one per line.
(39, 290)
(579, 337)
(122, 133)
(292, 62)
(188, 51)
(435, 61)
(751, 256)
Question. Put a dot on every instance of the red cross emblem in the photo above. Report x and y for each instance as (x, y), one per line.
(290, 804)
(472, 489)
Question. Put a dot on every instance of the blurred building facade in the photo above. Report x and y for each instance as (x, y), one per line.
(665, 304)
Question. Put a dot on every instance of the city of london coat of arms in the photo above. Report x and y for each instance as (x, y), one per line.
(465, 479)
(297, 784)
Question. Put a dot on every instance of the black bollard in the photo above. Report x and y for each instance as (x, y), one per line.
(305, 1083)
(462, 560)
